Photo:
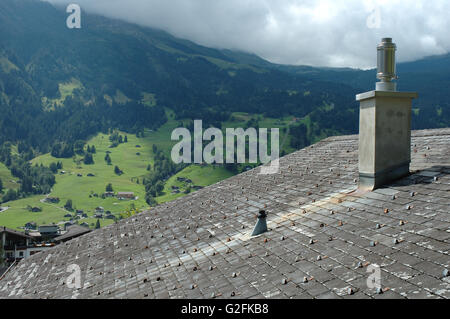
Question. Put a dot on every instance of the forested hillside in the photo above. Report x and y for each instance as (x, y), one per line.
(61, 85)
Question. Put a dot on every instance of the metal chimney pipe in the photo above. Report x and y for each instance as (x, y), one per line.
(386, 67)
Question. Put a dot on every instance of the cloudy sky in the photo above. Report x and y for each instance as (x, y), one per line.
(338, 33)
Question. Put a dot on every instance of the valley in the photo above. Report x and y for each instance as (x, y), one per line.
(85, 184)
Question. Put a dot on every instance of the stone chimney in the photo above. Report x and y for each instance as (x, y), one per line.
(384, 125)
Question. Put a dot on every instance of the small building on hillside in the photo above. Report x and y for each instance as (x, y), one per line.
(125, 195)
(48, 231)
(108, 194)
(31, 225)
(99, 210)
(53, 200)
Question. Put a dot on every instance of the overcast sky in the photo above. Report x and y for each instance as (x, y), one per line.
(338, 33)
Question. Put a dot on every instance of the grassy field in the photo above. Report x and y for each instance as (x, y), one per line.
(7, 66)
(9, 181)
(200, 176)
(239, 119)
(132, 158)
(71, 186)
(65, 89)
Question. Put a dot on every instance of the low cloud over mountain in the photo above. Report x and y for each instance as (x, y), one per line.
(309, 32)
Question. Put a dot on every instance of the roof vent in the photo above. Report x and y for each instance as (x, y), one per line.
(261, 224)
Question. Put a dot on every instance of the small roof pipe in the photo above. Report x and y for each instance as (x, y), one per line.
(261, 224)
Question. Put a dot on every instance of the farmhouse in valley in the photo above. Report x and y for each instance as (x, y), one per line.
(125, 195)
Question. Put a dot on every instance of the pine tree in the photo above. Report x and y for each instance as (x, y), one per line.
(1, 186)
(108, 159)
(97, 224)
(88, 159)
(68, 205)
(10, 195)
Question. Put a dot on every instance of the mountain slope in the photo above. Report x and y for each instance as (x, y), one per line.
(135, 71)
(66, 85)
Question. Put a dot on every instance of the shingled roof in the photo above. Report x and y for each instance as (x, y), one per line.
(322, 236)
(73, 231)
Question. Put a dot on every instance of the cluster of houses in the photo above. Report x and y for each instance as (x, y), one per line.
(79, 214)
(17, 245)
(185, 180)
(177, 190)
(100, 213)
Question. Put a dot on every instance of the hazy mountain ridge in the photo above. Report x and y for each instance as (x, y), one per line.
(115, 74)
(120, 64)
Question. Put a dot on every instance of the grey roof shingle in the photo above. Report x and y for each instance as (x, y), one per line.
(72, 232)
(199, 246)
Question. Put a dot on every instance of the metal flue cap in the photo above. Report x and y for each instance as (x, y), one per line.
(386, 60)
(386, 65)
(262, 214)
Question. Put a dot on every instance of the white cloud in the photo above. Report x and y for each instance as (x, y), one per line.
(307, 32)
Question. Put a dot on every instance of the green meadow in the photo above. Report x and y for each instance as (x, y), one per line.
(65, 89)
(9, 181)
(199, 175)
